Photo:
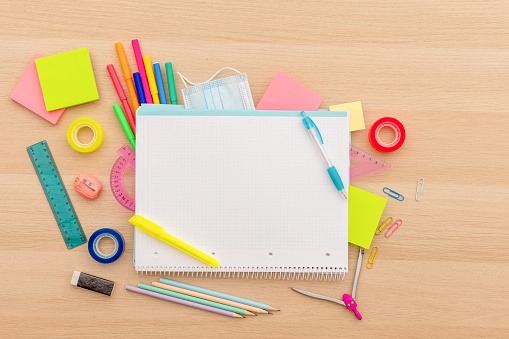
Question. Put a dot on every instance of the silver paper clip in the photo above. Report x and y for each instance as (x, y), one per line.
(393, 194)
(420, 188)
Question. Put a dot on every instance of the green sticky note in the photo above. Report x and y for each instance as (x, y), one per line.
(364, 212)
(67, 79)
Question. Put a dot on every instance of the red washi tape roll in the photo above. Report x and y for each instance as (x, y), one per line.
(399, 132)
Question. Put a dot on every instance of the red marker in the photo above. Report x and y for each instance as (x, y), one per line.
(123, 98)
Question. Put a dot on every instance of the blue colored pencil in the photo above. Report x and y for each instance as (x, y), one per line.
(218, 294)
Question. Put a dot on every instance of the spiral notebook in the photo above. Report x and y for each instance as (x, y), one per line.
(248, 188)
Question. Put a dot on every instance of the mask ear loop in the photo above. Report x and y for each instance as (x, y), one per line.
(185, 80)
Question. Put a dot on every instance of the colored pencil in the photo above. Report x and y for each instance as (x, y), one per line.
(209, 297)
(218, 294)
(182, 302)
(194, 299)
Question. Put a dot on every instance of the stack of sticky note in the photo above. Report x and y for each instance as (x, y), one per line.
(29, 94)
(356, 115)
(285, 93)
(51, 84)
(364, 212)
(364, 208)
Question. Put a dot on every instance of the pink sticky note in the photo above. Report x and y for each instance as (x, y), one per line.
(28, 93)
(284, 93)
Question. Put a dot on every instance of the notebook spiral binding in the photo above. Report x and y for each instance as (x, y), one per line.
(280, 273)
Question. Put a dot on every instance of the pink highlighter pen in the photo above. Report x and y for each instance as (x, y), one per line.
(141, 69)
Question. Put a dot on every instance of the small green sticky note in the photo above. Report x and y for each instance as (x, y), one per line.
(364, 212)
(67, 79)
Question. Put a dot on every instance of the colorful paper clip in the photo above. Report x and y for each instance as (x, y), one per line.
(87, 186)
(393, 194)
(372, 257)
(385, 223)
(395, 225)
(420, 188)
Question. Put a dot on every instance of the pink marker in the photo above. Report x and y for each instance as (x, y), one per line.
(141, 69)
(351, 305)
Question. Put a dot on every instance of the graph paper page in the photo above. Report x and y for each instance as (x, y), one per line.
(251, 191)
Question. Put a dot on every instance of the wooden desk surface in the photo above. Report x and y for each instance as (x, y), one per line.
(441, 67)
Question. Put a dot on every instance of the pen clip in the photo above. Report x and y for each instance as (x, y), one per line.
(311, 124)
(317, 130)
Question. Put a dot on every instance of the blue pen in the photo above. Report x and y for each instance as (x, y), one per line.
(317, 138)
(139, 88)
(159, 81)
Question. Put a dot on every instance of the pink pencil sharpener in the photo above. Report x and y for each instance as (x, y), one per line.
(87, 186)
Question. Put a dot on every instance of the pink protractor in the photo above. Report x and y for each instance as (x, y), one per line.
(351, 305)
(127, 159)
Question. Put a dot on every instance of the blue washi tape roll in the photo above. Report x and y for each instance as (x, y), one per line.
(95, 252)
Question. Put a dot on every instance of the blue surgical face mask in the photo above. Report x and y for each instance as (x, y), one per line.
(227, 93)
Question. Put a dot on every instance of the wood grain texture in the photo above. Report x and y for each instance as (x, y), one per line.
(440, 67)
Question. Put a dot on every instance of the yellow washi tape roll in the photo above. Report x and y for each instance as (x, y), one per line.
(76, 126)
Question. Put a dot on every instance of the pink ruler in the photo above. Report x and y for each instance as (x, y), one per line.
(127, 158)
(363, 164)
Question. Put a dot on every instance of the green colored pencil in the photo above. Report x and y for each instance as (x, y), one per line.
(194, 299)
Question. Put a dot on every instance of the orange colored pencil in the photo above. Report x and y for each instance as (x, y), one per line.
(209, 297)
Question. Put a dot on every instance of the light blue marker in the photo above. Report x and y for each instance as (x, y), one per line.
(317, 138)
(217, 294)
(159, 82)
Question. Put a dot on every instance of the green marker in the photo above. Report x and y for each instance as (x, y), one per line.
(171, 83)
(194, 299)
(125, 125)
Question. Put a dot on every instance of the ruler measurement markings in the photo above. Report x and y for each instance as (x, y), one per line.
(56, 194)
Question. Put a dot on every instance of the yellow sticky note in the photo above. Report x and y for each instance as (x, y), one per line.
(356, 115)
(67, 79)
(364, 212)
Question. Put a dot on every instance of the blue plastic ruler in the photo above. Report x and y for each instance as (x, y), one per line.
(57, 196)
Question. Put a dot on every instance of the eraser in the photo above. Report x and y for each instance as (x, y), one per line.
(93, 283)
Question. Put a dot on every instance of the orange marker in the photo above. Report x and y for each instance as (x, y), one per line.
(127, 75)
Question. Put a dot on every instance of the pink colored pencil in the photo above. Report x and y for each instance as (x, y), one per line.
(141, 69)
